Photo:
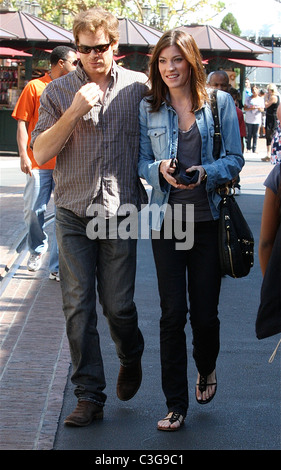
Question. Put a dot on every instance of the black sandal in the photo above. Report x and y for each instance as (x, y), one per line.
(202, 385)
(172, 417)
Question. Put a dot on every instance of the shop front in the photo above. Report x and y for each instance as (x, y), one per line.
(26, 43)
(12, 81)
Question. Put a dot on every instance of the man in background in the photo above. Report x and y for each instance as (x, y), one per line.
(220, 80)
(39, 183)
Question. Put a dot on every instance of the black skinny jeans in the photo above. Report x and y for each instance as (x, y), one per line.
(203, 280)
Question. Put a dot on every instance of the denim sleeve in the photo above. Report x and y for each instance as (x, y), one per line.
(148, 167)
(231, 160)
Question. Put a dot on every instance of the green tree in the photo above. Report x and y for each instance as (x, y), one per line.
(229, 23)
(61, 12)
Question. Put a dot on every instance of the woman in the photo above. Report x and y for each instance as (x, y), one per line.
(254, 107)
(271, 102)
(276, 141)
(176, 121)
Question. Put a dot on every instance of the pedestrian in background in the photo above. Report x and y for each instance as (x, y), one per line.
(271, 103)
(39, 178)
(242, 127)
(247, 90)
(254, 107)
(276, 141)
(176, 121)
(219, 80)
(89, 119)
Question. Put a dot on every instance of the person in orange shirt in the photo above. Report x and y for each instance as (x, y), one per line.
(40, 183)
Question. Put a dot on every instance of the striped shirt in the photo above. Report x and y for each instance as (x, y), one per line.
(99, 162)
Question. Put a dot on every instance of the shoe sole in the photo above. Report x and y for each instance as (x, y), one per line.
(205, 402)
(33, 270)
(70, 422)
(171, 429)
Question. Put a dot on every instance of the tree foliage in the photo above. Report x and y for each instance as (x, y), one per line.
(61, 12)
(229, 23)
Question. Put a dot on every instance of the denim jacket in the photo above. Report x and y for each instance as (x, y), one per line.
(159, 140)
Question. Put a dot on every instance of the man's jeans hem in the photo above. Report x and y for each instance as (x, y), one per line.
(98, 403)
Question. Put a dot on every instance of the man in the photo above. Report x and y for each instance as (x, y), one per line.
(219, 80)
(242, 126)
(89, 119)
(39, 183)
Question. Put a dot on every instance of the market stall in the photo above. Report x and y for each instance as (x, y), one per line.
(26, 41)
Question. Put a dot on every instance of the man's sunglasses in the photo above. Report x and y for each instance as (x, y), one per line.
(75, 62)
(99, 49)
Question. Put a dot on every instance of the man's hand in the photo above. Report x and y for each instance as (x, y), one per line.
(85, 99)
(25, 164)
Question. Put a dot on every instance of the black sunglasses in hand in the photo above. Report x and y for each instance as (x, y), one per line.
(99, 49)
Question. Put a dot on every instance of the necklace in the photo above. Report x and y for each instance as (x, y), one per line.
(182, 112)
(185, 118)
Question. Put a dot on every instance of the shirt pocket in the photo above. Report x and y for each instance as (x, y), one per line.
(159, 141)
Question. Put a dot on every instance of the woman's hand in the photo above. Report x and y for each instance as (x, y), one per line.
(167, 171)
(202, 175)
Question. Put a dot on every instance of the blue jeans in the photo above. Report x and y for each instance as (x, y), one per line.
(37, 194)
(113, 264)
(196, 272)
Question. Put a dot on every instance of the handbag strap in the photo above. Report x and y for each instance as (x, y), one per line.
(217, 135)
(225, 189)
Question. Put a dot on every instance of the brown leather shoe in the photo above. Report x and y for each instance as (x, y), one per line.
(84, 413)
(129, 380)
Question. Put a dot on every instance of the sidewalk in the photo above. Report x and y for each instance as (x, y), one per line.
(34, 355)
(34, 351)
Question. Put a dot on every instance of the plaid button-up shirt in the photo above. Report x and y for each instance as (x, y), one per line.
(99, 162)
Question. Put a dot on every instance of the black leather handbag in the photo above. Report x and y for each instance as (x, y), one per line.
(236, 241)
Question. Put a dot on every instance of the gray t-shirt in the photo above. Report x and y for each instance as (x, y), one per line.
(273, 179)
(189, 153)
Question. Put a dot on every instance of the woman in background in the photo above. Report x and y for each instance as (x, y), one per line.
(271, 103)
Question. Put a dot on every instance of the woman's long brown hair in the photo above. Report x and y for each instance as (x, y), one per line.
(190, 51)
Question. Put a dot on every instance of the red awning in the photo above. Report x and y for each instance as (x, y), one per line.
(253, 62)
(131, 53)
(8, 51)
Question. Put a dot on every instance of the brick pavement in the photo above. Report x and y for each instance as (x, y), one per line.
(34, 352)
(34, 361)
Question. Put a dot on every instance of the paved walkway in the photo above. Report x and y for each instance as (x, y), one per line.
(34, 352)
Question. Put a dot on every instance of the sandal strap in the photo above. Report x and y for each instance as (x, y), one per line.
(203, 384)
(174, 416)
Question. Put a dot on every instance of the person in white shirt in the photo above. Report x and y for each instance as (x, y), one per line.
(254, 107)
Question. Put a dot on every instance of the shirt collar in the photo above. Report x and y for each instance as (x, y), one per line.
(84, 77)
